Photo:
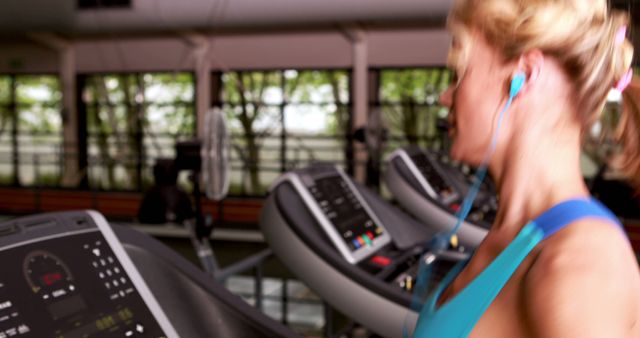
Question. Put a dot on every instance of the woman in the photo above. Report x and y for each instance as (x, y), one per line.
(578, 279)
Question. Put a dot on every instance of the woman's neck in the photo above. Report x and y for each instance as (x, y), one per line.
(535, 173)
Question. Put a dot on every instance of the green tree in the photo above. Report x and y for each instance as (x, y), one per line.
(136, 117)
(410, 101)
(254, 102)
(253, 109)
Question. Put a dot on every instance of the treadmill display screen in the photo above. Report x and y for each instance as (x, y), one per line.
(345, 212)
(70, 287)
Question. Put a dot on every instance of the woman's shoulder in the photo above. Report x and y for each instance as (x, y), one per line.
(584, 280)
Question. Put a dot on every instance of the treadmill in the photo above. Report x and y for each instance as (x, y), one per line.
(72, 274)
(355, 250)
(432, 189)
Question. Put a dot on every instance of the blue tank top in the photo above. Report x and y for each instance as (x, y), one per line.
(457, 317)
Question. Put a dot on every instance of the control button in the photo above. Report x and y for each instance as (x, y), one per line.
(3, 335)
(381, 260)
(455, 207)
(45, 296)
(103, 262)
(361, 240)
(72, 288)
(11, 332)
(123, 280)
(86, 246)
(115, 283)
(1, 285)
(107, 285)
(116, 270)
(356, 243)
(121, 293)
(4, 318)
(129, 290)
(370, 235)
(59, 293)
(139, 328)
(95, 264)
(96, 252)
(110, 259)
(366, 240)
(109, 273)
(101, 275)
(23, 329)
(408, 283)
(378, 231)
(128, 333)
(5, 305)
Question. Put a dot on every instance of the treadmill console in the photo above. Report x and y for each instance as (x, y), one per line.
(340, 209)
(446, 183)
(432, 178)
(67, 276)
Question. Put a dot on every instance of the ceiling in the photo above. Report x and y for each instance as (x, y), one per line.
(161, 15)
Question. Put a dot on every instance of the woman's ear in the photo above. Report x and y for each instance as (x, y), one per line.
(531, 64)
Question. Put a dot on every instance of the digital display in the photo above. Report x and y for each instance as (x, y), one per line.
(345, 212)
(70, 287)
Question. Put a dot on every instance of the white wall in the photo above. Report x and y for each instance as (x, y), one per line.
(327, 49)
(27, 58)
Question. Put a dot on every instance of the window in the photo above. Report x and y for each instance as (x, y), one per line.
(410, 108)
(132, 119)
(30, 130)
(283, 119)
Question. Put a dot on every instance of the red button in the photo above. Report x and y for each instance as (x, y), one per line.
(455, 207)
(370, 235)
(381, 260)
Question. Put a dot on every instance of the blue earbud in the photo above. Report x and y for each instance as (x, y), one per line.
(516, 84)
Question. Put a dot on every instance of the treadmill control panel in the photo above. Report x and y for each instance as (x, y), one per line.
(444, 191)
(70, 284)
(345, 211)
(448, 184)
(340, 210)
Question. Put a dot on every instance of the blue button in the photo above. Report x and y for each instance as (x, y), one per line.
(356, 243)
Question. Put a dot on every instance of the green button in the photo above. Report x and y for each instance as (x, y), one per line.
(366, 239)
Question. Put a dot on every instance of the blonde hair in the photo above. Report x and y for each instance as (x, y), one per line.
(579, 34)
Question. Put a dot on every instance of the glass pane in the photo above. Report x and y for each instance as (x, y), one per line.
(310, 119)
(311, 105)
(422, 86)
(303, 150)
(36, 88)
(319, 87)
(174, 119)
(134, 119)
(39, 140)
(5, 89)
(169, 88)
(410, 108)
(252, 87)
